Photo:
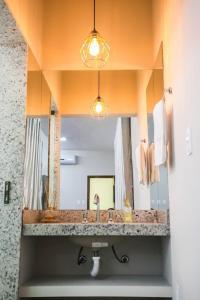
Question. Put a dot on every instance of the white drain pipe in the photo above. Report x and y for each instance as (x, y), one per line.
(96, 264)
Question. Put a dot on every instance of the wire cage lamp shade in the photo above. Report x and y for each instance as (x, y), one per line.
(95, 50)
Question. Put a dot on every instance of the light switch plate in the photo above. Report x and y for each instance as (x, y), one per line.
(7, 192)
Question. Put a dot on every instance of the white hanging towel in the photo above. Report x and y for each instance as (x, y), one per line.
(160, 135)
(140, 153)
(153, 171)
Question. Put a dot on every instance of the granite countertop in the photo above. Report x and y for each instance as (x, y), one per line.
(96, 229)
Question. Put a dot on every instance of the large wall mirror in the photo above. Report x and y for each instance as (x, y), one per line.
(73, 157)
(159, 195)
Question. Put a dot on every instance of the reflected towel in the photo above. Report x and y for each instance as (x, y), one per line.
(153, 170)
(160, 136)
(141, 162)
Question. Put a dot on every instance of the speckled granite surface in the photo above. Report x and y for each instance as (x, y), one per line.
(12, 139)
(69, 222)
(101, 229)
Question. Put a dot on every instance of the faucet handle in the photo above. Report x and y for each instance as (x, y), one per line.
(84, 214)
(110, 215)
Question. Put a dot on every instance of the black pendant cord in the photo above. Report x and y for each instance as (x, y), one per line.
(98, 84)
(94, 15)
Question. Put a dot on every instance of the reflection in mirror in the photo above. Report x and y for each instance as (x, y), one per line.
(104, 187)
(93, 162)
(54, 158)
(36, 163)
(159, 198)
(157, 134)
(149, 140)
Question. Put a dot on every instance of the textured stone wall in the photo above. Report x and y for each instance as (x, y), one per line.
(13, 53)
(57, 159)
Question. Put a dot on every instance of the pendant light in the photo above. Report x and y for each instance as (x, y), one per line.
(99, 108)
(95, 50)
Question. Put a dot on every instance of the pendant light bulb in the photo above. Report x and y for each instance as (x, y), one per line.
(99, 108)
(95, 50)
(94, 47)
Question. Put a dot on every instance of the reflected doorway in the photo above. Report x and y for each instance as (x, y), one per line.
(104, 187)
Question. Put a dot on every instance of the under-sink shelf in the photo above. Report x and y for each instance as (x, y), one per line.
(107, 286)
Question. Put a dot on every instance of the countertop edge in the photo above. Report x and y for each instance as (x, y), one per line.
(102, 229)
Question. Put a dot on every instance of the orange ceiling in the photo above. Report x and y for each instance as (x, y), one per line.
(79, 90)
(55, 30)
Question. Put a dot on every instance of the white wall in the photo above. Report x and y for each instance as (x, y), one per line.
(177, 23)
(73, 180)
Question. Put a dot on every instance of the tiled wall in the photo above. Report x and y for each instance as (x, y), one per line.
(13, 54)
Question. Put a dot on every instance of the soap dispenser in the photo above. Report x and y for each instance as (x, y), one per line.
(128, 212)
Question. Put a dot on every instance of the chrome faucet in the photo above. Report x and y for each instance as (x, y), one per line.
(97, 202)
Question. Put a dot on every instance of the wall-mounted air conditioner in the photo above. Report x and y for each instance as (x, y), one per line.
(68, 160)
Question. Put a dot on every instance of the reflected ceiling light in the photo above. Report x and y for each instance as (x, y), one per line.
(99, 108)
(95, 50)
(63, 139)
